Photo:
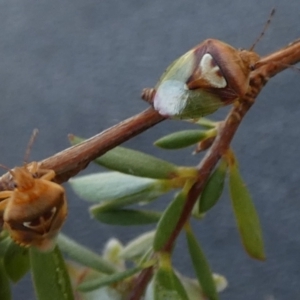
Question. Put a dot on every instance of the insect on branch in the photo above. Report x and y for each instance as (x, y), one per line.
(71, 161)
(268, 67)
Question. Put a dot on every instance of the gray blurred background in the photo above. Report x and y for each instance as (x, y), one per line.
(79, 67)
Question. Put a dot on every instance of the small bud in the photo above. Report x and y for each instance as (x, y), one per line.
(111, 252)
(204, 144)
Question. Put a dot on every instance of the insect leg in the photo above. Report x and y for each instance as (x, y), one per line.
(49, 175)
(3, 205)
(5, 194)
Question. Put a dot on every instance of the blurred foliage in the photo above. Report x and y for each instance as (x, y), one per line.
(137, 179)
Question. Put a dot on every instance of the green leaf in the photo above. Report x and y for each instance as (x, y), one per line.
(5, 293)
(134, 162)
(137, 163)
(168, 221)
(124, 217)
(115, 189)
(181, 139)
(213, 188)
(84, 256)
(79, 273)
(195, 291)
(50, 277)
(201, 267)
(4, 243)
(16, 261)
(166, 284)
(207, 123)
(105, 293)
(246, 215)
(138, 247)
(101, 281)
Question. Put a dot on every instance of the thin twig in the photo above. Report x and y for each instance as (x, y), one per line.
(70, 161)
(141, 283)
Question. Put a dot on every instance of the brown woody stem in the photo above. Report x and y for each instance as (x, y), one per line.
(70, 161)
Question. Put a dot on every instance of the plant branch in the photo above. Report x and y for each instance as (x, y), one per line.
(267, 67)
(219, 147)
(70, 161)
(140, 284)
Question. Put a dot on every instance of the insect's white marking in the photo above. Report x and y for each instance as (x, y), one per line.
(170, 98)
(27, 224)
(211, 73)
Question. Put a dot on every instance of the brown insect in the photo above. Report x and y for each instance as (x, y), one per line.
(207, 77)
(35, 210)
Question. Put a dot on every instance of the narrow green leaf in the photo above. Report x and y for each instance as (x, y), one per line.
(137, 163)
(79, 273)
(16, 261)
(115, 189)
(201, 266)
(84, 256)
(213, 188)
(166, 284)
(195, 291)
(246, 215)
(168, 221)
(5, 293)
(207, 123)
(105, 293)
(181, 139)
(124, 217)
(192, 287)
(101, 281)
(4, 243)
(134, 162)
(138, 247)
(50, 276)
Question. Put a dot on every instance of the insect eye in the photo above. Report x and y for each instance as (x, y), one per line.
(15, 185)
(34, 175)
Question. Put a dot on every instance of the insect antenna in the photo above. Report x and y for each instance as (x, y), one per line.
(29, 146)
(7, 169)
(264, 29)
